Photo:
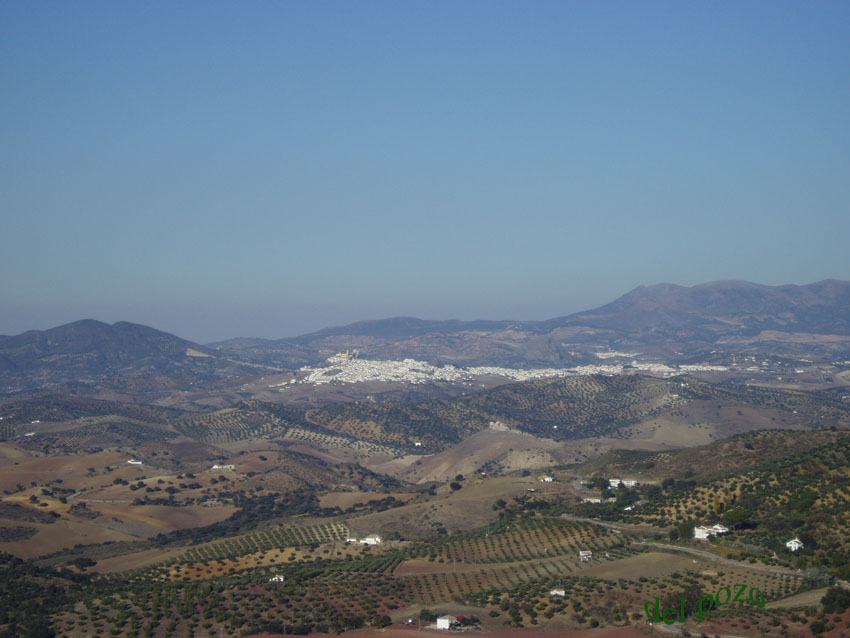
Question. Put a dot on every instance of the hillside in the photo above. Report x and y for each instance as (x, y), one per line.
(91, 357)
(662, 320)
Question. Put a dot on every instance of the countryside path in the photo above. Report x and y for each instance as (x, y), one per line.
(678, 628)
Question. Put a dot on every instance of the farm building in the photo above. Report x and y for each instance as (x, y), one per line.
(547, 479)
(223, 467)
(794, 544)
(277, 578)
(703, 532)
(373, 539)
(446, 622)
(134, 462)
(585, 555)
(558, 592)
(615, 483)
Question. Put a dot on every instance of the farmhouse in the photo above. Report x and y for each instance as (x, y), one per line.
(547, 479)
(558, 592)
(585, 555)
(703, 532)
(373, 539)
(794, 544)
(446, 622)
(277, 578)
(134, 462)
(614, 483)
(223, 467)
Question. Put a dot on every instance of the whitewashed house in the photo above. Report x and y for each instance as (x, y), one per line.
(446, 622)
(373, 539)
(558, 592)
(585, 555)
(223, 467)
(794, 544)
(277, 578)
(547, 479)
(702, 532)
(614, 483)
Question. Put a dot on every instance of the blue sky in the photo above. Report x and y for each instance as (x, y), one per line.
(271, 168)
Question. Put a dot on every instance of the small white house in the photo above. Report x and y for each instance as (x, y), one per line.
(134, 462)
(277, 578)
(558, 592)
(223, 467)
(702, 532)
(585, 555)
(614, 483)
(794, 544)
(630, 483)
(591, 499)
(446, 622)
(374, 539)
(547, 479)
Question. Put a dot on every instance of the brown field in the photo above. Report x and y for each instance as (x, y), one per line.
(468, 508)
(117, 522)
(799, 600)
(649, 564)
(136, 560)
(347, 499)
(72, 469)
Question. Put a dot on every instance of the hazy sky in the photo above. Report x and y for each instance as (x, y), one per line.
(220, 169)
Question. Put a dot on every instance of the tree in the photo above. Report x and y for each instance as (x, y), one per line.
(737, 517)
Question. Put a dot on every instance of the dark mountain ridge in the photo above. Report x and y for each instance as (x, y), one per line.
(660, 319)
(88, 355)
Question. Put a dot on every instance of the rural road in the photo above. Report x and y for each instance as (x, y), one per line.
(678, 628)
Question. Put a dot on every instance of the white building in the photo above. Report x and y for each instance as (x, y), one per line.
(547, 479)
(630, 483)
(591, 499)
(374, 539)
(614, 483)
(277, 578)
(794, 544)
(558, 592)
(223, 467)
(134, 462)
(585, 555)
(446, 622)
(703, 532)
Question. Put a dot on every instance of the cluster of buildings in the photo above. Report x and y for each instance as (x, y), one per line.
(703, 532)
(614, 483)
(345, 368)
(372, 539)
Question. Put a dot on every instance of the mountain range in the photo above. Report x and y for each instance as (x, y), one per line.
(664, 321)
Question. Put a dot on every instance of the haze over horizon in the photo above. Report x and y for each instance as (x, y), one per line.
(217, 171)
